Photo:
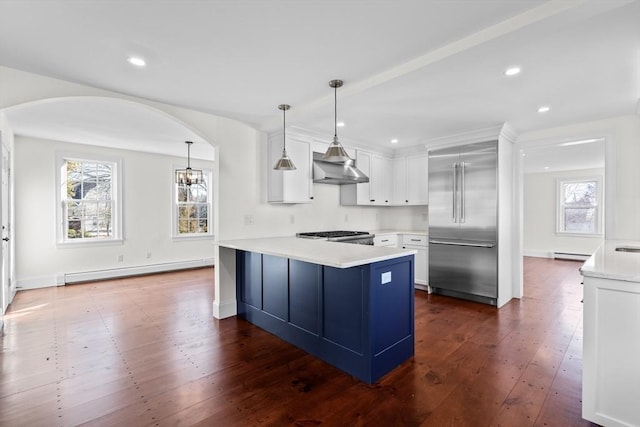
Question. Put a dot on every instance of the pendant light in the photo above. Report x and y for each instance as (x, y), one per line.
(188, 176)
(284, 163)
(336, 153)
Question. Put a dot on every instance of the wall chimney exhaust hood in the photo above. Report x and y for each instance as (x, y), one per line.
(336, 173)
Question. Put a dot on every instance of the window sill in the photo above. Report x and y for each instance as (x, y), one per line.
(569, 234)
(89, 243)
(192, 237)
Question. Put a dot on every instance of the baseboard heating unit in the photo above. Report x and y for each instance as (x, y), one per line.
(135, 271)
(570, 256)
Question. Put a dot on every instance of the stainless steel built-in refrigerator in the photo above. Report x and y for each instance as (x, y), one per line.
(463, 221)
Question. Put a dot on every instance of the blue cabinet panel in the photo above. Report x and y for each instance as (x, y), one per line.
(392, 297)
(275, 285)
(250, 277)
(304, 295)
(358, 319)
(343, 312)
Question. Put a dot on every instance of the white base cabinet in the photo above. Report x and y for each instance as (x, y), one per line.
(418, 242)
(611, 352)
(390, 240)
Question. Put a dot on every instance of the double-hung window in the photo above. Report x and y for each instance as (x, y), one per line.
(192, 210)
(580, 206)
(89, 204)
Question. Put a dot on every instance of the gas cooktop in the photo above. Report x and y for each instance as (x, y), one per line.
(357, 237)
(331, 234)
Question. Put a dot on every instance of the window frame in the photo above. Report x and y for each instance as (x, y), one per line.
(208, 173)
(116, 198)
(560, 206)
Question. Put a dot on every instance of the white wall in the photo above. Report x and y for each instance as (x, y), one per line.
(147, 215)
(622, 175)
(413, 218)
(540, 200)
(241, 166)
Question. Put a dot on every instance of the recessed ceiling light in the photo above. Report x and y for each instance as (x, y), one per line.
(394, 141)
(544, 109)
(340, 124)
(546, 168)
(512, 71)
(137, 61)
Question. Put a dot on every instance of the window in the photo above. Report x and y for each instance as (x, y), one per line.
(579, 206)
(89, 200)
(192, 213)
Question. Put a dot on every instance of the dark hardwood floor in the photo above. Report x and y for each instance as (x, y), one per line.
(146, 351)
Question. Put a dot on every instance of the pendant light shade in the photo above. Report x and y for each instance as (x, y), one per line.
(188, 176)
(336, 152)
(284, 163)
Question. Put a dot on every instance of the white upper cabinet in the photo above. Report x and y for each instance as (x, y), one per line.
(417, 179)
(399, 190)
(294, 186)
(410, 180)
(376, 192)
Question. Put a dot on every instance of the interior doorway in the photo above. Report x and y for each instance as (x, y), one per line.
(563, 198)
(5, 220)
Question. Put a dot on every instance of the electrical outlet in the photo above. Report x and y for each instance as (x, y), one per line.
(120, 258)
(148, 255)
(292, 219)
(248, 220)
(346, 217)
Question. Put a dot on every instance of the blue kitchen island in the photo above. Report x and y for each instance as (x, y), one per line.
(349, 305)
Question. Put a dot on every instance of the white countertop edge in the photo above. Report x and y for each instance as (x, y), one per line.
(607, 263)
(332, 254)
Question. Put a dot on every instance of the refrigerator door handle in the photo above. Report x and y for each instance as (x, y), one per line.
(454, 194)
(463, 195)
(452, 243)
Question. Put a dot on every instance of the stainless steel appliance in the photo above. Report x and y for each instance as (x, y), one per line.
(357, 237)
(336, 173)
(463, 220)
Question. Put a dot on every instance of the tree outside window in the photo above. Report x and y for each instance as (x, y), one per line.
(87, 200)
(579, 206)
(193, 208)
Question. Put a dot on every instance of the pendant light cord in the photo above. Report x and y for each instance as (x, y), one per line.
(188, 155)
(335, 112)
(284, 129)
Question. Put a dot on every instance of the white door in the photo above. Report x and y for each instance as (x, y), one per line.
(6, 247)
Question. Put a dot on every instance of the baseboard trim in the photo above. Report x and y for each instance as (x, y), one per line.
(39, 282)
(537, 254)
(222, 310)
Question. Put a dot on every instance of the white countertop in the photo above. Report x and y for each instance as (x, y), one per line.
(607, 263)
(333, 254)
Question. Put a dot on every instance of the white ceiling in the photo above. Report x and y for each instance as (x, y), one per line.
(568, 155)
(415, 70)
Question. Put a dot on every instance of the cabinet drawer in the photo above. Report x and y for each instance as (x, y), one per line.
(414, 239)
(386, 240)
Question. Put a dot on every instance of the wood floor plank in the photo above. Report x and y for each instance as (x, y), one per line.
(146, 351)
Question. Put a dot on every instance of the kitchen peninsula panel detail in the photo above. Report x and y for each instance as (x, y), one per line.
(358, 319)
